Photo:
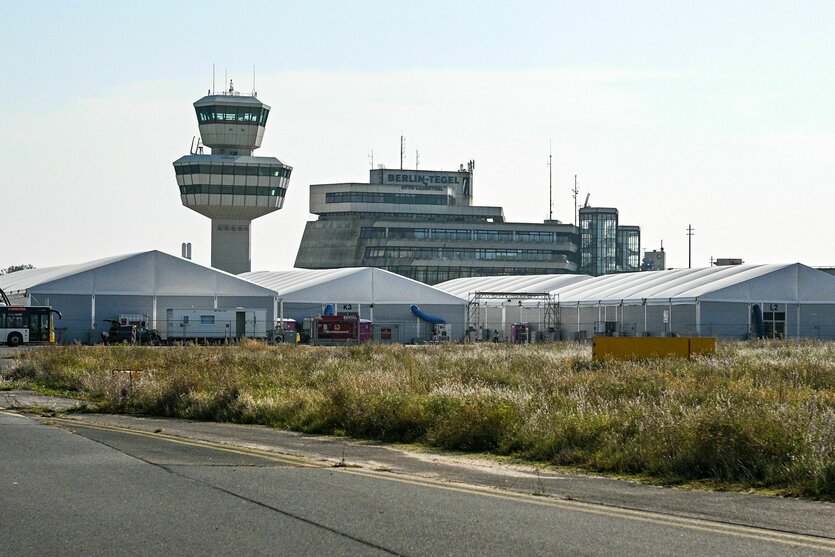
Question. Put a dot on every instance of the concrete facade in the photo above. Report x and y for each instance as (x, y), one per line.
(421, 224)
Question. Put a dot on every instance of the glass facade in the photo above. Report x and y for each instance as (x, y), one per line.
(629, 249)
(435, 274)
(420, 217)
(269, 191)
(219, 113)
(458, 234)
(232, 169)
(396, 198)
(598, 241)
(446, 253)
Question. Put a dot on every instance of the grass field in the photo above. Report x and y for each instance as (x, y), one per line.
(755, 415)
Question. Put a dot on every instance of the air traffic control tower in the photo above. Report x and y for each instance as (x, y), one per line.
(230, 186)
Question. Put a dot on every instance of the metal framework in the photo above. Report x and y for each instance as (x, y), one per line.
(551, 316)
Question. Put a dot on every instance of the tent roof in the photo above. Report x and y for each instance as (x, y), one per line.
(145, 273)
(737, 283)
(362, 285)
(463, 287)
(777, 283)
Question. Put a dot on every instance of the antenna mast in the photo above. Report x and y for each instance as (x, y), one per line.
(417, 159)
(371, 158)
(576, 192)
(402, 149)
(213, 78)
(253, 81)
(550, 185)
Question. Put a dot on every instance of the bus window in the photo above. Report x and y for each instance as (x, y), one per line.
(14, 320)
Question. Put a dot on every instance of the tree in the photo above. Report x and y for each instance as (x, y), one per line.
(15, 268)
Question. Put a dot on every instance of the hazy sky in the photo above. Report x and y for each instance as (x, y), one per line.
(715, 114)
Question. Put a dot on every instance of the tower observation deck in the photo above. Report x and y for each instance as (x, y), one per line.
(231, 186)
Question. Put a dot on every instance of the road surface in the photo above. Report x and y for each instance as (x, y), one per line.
(86, 487)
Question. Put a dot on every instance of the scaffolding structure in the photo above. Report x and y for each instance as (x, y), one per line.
(551, 314)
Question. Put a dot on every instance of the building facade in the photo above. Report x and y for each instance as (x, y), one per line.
(422, 224)
(628, 249)
(605, 246)
(598, 240)
(230, 186)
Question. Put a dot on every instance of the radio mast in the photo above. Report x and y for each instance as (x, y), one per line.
(550, 185)
(575, 191)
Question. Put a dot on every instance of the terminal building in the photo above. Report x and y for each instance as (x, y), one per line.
(422, 224)
(230, 186)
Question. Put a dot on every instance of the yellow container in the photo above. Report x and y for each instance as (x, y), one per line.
(643, 348)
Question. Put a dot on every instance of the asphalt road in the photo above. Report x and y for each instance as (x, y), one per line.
(90, 489)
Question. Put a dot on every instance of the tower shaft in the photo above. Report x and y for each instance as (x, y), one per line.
(231, 251)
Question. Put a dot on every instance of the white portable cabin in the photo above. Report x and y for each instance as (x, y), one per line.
(215, 324)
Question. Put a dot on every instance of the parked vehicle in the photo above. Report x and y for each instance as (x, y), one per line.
(129, 334)
(215, 325)
(339, 329)
(26, 324)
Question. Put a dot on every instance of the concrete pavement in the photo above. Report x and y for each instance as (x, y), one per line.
(124, 485)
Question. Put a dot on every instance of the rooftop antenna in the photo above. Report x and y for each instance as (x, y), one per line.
(417, 159)
(689, 246)
(225, 78)
(550, 183)
(402, 149)
(576, 192)
(371, 158)
(254, 93)
(213, 78)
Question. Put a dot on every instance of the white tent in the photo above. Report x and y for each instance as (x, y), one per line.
(793, 299)
(464, 287)
(146, 283)
(366, 285)
(381, 296)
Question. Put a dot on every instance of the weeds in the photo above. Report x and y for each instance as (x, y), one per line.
(757, 414)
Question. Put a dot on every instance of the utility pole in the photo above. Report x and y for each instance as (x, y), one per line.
(690, 245)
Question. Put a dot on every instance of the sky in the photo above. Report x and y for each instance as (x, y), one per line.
(711, 114)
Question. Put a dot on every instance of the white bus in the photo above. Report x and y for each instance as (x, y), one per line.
(27, 325)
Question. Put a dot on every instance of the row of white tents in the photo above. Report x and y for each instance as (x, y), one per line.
(790, 300)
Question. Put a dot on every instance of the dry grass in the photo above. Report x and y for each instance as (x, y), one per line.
(757, 414)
